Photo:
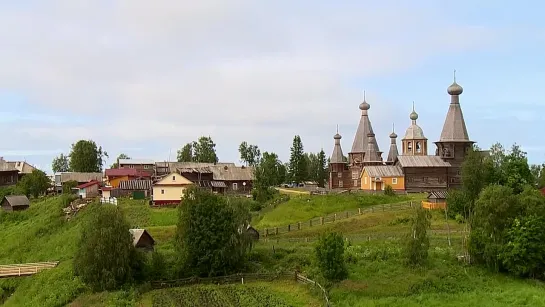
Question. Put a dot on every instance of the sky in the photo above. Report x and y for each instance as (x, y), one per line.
(145, 77)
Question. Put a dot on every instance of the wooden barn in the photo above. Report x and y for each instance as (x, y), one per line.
(142, 239)
(89, 189)
(253, 233)
(436, 200)
(15, 203)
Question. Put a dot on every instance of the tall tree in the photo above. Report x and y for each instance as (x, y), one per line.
(87, 157)
(105, 255)
(330, 257)
(418, 242)
(186, 153)
(268, 172)
(35, 183)
(515, 170)
(249, 154)
(121, 156)
(204, 150)
(297, 165)
(312, 164)
(322, 169)
(60, 164)
(474, 178)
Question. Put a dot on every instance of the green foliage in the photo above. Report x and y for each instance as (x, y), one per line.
(121, 156)
(417, 240)
(204, 150)
(105, 255)
(68, 186)
(316, 165)
(524, 252)
(330, 257)
(60, 164)
(268, 173)
(516, 170)
(207, 235)
(35, 183)
(298, 171)
(5, 191)
(532, 202)
(389, 191)
(249, 154)
(458, 204)
(475, 170)
(87, 157)
(322, 169)
(186, 153)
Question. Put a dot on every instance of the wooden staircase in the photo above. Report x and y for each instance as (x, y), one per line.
(25, 269)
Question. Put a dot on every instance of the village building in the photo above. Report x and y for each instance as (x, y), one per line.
(80, 178)
(436, 200)
(88, 189)
(170, 189)
(115, 176)
(9, 175)
(14, 203)
(143, 165)
(23, 167)
(142, 240)
(420, 172)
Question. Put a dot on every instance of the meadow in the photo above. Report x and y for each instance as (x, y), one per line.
(377, 273)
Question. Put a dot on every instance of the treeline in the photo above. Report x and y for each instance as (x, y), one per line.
(504, 211)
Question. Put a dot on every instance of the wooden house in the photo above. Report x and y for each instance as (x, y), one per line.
(142, 239)
(377, 177)
(8, 174)
(116, 175)
(15, 203)
(89, 189)
(137, 188)
(142, 165)
(170, 189)
(23, 167)
(235, 179)
(436, 200)
(165, 168)
(424, 173)
(80, 178)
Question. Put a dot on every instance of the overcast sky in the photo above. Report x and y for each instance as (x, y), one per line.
(145, 77)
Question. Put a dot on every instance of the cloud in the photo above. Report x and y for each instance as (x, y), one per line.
(173, 70)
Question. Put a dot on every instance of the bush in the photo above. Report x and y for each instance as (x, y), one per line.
(105, 256)
(330, 257)
(417, 241)
(389, 191)
(68, 186)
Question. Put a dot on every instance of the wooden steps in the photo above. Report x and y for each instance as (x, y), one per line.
(25, 269)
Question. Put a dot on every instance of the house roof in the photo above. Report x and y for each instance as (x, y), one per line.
(136, 161)
(233, 173)
(421, 161)
(173, 166)
(6, 166)
(79, 177)
(22, 166)
(137, 235)
(120, 172)
(361, 139)
(337, 154)
(383, 171)
(17, 200)
(438, 195)
(87, 184)
(135, 184)
(454, 128)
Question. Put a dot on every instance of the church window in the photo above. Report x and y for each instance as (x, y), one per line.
(340, 184)
(418, 148)
(409, 146)
(355, 183)
(339, 175)
(354, 174)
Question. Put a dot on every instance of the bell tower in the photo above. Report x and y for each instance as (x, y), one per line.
(414, 142)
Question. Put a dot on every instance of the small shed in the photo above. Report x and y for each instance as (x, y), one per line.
(142, 239)
(253, 233)
(436, 200)
(15, 203)
(88, 189)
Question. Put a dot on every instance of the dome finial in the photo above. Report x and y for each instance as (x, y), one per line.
(455, 89)
(393, 135)
(414, 115)
(455, 76)
(364, 106)
(337, 128)
(337, 136)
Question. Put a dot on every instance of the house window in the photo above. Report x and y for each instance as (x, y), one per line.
(355, 183)
(365, 180)
(394, 180)
(425, 179)
(146, 166)
(452, 180)
(340, 184)
(235, 186)
(131, 166)
(354, 174)
(173, 178)
(458, 172)
(339, 175)
(418, 148)
(162, 191)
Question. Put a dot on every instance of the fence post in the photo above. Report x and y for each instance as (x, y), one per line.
(335, 217)
(321, 220)
(383, 209)
(289, 227)
(276, 231)
(310, 223)
(411, 204)
(359, 211)
(266, 232)
(299, 226)
(372, 209)
(346, 214)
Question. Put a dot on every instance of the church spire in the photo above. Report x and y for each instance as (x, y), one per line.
(361, 139)
(393, 153)
(372, 153)
(337, 155)
(454, 129)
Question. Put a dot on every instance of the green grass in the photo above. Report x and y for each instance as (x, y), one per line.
(303, 208)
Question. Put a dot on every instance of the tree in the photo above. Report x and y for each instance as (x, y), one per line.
(322, 169)
(297, 165)
(516, 171)
(60, 164)
(312, 166)
(249, 154)
(186, 153)
(105, 255)
(418, 242)
(330, 257)
(204, 150)
(87, 157)
(268, 172)
(121, 156)
(207, 235)
(35, 183)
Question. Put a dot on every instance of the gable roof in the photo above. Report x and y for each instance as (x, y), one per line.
(16, 200)
(232, 173)
(135, 161)
(22, 166)
(79, 177)
(173, 166)
(6, 167)
(383, 171)
(438, 195)
(87, 184)
(120, 172)
(178, 180)
(137, 235)
(421, 161)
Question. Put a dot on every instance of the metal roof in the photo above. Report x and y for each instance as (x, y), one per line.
(137, 235)
(17, 200)
(438, 195)
(421, 161)
(383, 171)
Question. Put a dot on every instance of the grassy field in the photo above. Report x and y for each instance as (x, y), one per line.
(378, 276)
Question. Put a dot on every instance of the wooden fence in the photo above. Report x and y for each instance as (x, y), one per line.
(305, 280)
(111, 200)
(331, 218)
(25, 269)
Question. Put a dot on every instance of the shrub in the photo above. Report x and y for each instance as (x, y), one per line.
(418, 242)
(389, 191)
(330, 257)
